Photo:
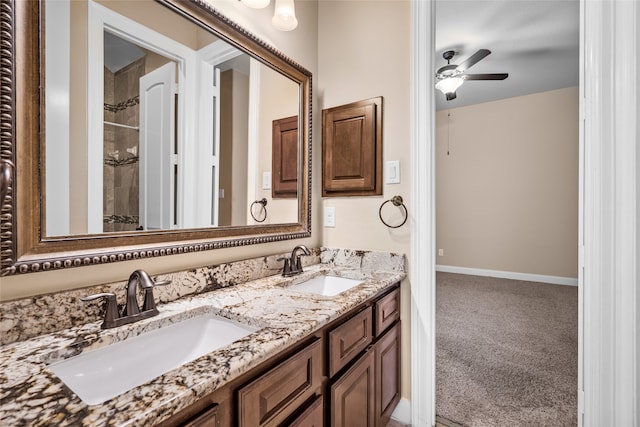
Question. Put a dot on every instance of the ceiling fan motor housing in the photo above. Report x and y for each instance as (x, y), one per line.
(448, 55)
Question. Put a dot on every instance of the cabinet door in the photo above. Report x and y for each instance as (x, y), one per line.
(387, 361)
(352, 395)
(284, 158)
(271, 398)
(352, 149)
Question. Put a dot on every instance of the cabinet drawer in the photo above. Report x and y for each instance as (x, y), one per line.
(349, 339)
(274, 396)
(313, 416)
(387, 311)
(208, 418)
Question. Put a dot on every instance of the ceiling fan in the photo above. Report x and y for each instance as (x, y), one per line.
(451, 76)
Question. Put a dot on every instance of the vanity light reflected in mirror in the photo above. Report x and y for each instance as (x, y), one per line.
(156, 127)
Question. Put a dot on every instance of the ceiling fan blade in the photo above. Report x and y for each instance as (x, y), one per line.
(473, 59)
(496, 76)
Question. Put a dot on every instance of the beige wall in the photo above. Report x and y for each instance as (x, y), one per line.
(278, 100)
(234, 118)
(299, 45)
(225, 175)
(78, 187)
(239, 156)
(359, 60)
(507, 194)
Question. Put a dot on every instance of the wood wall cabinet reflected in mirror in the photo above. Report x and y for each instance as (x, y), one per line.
(285, 158)
(352, 149)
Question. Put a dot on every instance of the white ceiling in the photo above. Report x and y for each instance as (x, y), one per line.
(536, 42)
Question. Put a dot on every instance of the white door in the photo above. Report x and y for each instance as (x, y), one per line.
(157, 160)
(208, 170)
(209, 149)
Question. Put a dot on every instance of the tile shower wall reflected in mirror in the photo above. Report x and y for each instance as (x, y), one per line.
(124, 65)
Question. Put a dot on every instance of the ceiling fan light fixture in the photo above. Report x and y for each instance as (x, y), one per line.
(449, 85)
(256, 4)
(284, 18)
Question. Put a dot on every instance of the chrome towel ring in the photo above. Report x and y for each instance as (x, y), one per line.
(397, 201)
(262, 202)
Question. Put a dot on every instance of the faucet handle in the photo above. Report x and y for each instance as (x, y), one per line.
(296, 263)
(162, 283)
(286, 270)
(111, 310)
(149, 301)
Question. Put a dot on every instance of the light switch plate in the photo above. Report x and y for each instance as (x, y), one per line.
(392, 172)
(329, 216)
(266, 180)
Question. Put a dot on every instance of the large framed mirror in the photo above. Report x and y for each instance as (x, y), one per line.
(143, 128)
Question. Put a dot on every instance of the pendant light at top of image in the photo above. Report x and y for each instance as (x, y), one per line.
(256, 4)
(284, 16)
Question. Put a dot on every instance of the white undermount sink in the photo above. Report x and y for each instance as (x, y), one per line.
(101, 374)
(326, 285)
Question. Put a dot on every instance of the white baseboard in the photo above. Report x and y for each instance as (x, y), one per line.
(554, 280)
(402, 413)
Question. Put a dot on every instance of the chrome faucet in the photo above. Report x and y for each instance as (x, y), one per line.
(293, 264)
(131, 312)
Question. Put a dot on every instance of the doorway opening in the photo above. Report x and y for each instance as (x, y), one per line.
(507, 186)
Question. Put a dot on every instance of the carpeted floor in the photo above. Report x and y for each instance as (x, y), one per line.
(506, 352)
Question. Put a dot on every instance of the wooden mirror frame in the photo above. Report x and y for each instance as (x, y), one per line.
(23, 249)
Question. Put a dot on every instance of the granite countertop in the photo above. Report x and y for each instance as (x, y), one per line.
(31, 394)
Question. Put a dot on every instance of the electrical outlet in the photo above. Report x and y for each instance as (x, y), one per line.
(440, 252)
(329, 216)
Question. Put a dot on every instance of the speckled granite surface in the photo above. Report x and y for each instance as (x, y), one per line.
(30, 394)
(30, 317)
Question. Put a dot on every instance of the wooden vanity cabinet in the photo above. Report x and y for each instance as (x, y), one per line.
(312, 416)
(352, 395)
(209, 418)
(346, 374)
(271, 394)
(274, 396)
(387, 368)
(349, 339)
(368, 391)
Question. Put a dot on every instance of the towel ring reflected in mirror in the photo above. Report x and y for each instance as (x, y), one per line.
(396, 201)
(263, 203)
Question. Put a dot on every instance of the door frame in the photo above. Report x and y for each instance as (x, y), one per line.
(608, 203)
